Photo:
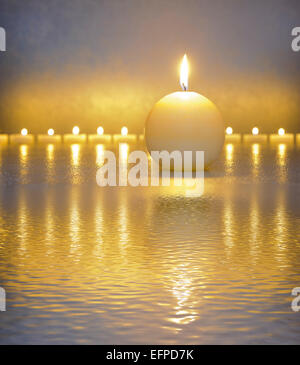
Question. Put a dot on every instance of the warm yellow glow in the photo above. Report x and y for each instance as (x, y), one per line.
(229, 130)
(124, 148)
(255, 158)
(23, 151)
(50, 150)
(184, 73)
(100, 154)
(255, 149)
(229, 148)
(229, 156)
(50, 132)
(255, 131)
(124, 131)
(282, 159)
(75, 154)
(24, 132)
(281, 132)
(76, 130)
(100, 131)
(281, 150)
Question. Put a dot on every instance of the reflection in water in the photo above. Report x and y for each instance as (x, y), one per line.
(49, 225)
(123, 216)
(182, 289)
(75, 163)
(99, 230)
(229, 158)
(123, 168)
(23, 150)
(84, 264)
(124, 151)
(281, 234)
(228, 226)
(255, 158)
(99, 155)
(254, 227)
(22, 223)
(50, 161)
(50, 152)
(75, 222)
(281, 161)
(75, 154)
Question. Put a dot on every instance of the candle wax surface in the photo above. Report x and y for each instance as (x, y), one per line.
(185, 121)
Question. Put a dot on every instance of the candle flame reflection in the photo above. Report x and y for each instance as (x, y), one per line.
(229, 157)
(255, 158)
(23, 160)
(75, 154)
(99, 155)
(281, 162)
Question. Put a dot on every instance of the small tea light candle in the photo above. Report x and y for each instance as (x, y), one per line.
(282, 137)
(100, 131)
(255, 136)
(229, 131)
(75, 137)
(124, 131)
(24, 132)
(50, 132)
(23, 137)
(124, 136)
(75, 131)
(100, 136)
(50, 137)
(232, 137)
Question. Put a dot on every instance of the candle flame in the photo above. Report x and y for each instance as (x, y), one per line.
(184, 73)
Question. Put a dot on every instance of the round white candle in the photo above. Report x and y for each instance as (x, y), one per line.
(185, 121)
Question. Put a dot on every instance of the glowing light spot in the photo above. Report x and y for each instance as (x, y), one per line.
(124, 131)
(76, 130)
(281, 132)
(99, 155)
(229, 154)
(255, 131)
(100, 131)
(24, 132)
(23, 150)
(255, 149)
(50, 132)
(281, 149)
(255, 158)
(75, 154)
(124, 148)
(50, 150)
(229, 130)
(229, 148)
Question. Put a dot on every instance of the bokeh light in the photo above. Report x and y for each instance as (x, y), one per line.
(124, 131)
(24, 132)
(76, 130)
(50, 132)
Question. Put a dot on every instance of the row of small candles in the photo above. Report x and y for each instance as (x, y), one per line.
(75, 136)
(255, 136)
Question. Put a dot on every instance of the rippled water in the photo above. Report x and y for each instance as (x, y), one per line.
(149, 265)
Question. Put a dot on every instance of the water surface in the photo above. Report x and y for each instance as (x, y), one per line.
(83, 264)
